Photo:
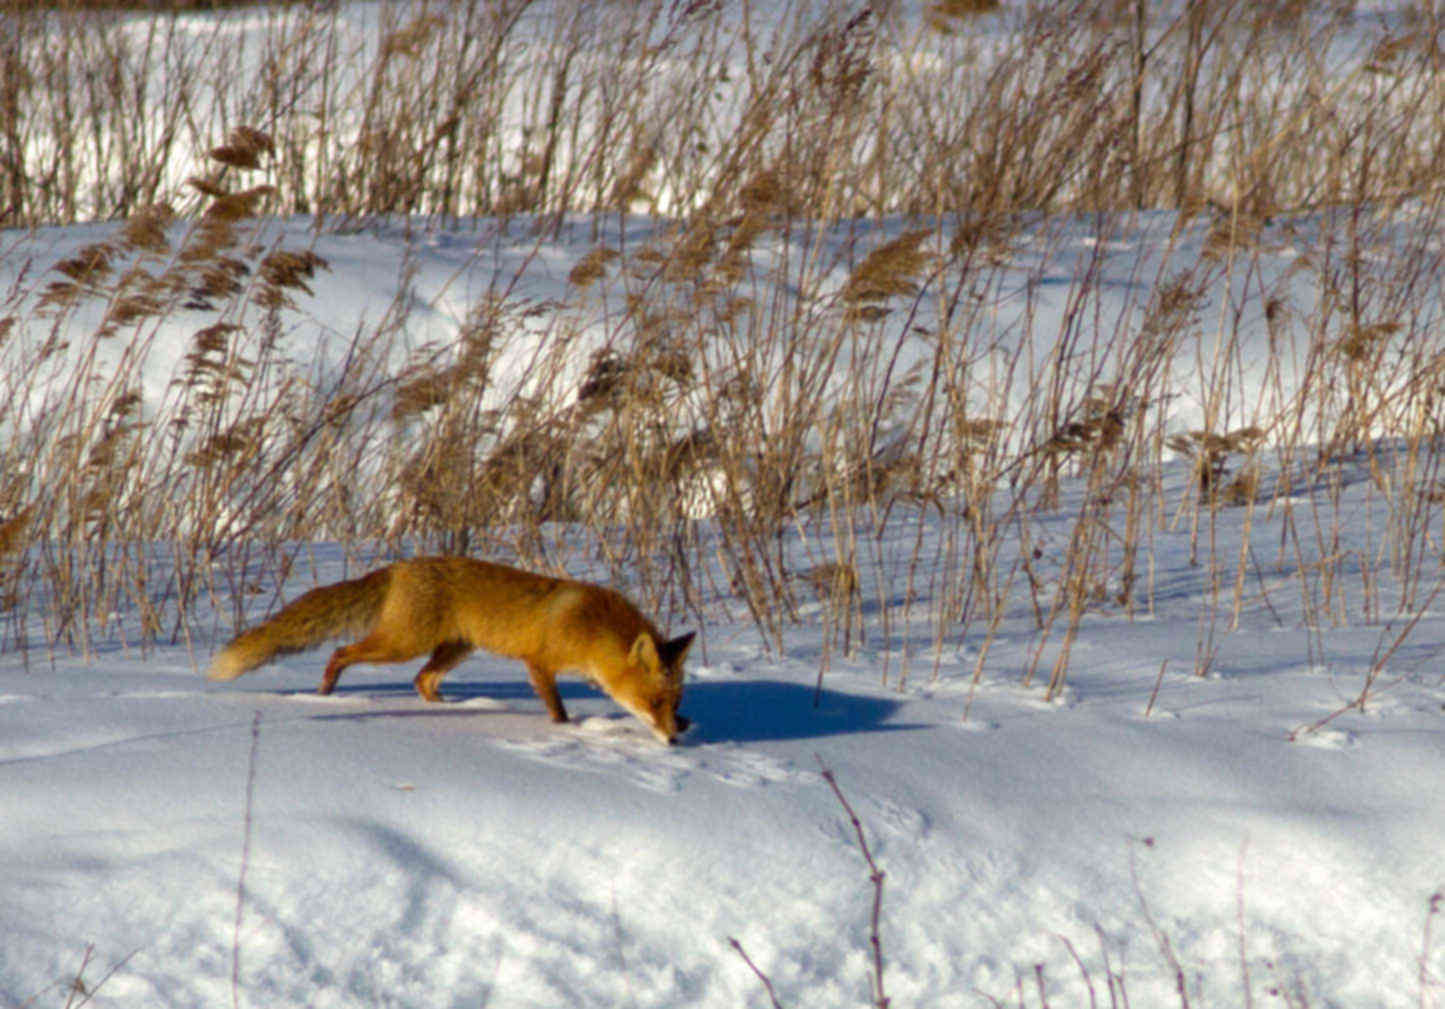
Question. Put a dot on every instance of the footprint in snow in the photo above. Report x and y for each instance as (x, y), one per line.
(1328, 739)
(976, 725)
(746, 768)
(312, 697)
(615, 743)
(891, 817)
(483, 704)
(604, 750)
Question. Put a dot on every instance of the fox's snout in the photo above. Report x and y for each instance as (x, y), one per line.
(680, 724)
(667, 730)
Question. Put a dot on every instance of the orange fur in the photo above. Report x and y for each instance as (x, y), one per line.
(448, 606)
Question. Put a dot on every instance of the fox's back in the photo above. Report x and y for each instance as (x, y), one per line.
(555, 621)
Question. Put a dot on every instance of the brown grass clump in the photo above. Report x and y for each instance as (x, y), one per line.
(208, 364)
(208, 186)
(411, 39)
(1362, 343)
(1098, 429)
(91, 264)
(889, 270)
(629, 187)
(290, 269)
(832, 581)
(231, 207)
(591, 267)
(134, 307)
(1211, 451)
(145, 229)
(243, 148)
(216, 278)
(13, 531)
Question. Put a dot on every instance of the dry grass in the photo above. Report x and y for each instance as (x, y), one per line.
(466, 109)
(771, 361)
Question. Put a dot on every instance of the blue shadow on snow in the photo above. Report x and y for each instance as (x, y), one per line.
(721, 711)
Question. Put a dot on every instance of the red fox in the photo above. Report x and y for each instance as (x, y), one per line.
(451, 605)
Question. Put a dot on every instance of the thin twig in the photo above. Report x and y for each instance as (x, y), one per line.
(875, 875)
(1426, 981)
(767, 984)
(1155, 692)
(245, 862)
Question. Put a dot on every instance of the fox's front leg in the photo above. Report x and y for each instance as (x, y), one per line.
(544, 682)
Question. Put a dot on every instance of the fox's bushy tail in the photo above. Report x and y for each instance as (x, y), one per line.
(331, 611)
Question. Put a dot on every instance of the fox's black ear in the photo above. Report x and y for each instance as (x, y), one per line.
(672, 652)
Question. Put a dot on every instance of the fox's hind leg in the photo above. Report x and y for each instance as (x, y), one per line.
(544, 682)
(442, 660)
(371, 648)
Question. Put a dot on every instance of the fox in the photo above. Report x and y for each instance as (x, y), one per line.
(449, 606)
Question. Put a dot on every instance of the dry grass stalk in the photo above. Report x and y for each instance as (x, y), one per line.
(411, 39)
(290, 269)
(692, 250)
(952, 17)
(891, 269)
(1363, 343)
(1098, 429)
(232, 207)
(207, 241)
(1211, 451)
(212, 187)
(832, 581)
(13, 531)
(420, 394)
(145, 229)
(88, 266)
(628, 189)
(134, 307)
(243, 148)
(592, 267)
(216, 278)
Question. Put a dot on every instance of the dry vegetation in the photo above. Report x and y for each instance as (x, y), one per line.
(738, 379)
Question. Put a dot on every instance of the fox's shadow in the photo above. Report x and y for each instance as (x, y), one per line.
(743, 711)
(759, 710)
